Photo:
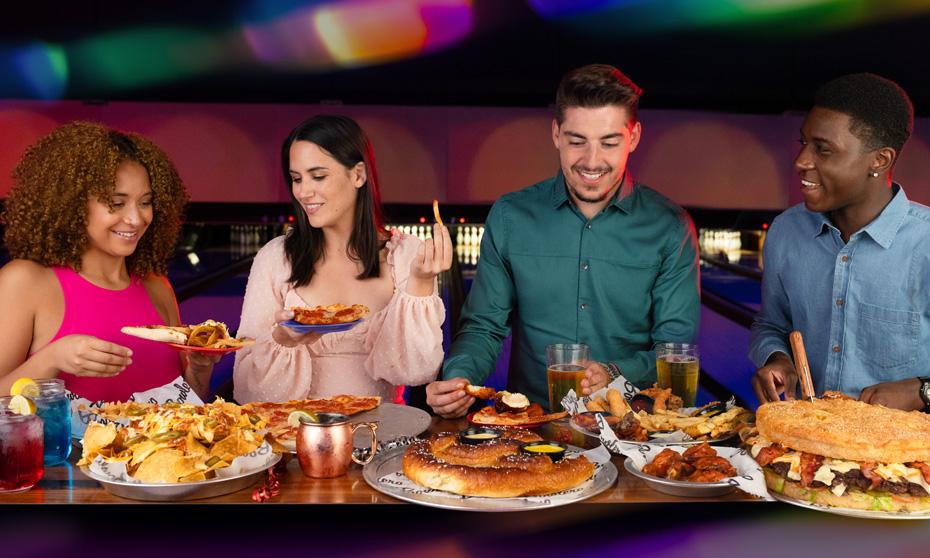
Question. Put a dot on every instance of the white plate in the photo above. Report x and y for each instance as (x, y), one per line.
(681, 488)
(870, 514)
(394, 421)
(656, 441)
(391, 462)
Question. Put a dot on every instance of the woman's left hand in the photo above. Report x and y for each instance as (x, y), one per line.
(433, 257)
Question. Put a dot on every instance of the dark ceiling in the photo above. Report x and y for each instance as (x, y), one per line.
(511, 56)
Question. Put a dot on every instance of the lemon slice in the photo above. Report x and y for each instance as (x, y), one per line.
(22, 405)
(293, 419)
(25, 386)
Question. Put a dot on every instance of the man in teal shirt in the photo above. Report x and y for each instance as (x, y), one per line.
(588, 256)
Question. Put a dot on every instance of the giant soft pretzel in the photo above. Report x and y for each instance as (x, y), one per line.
(492, 469)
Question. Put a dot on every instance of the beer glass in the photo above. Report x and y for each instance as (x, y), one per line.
(677, 367)
(566, 365)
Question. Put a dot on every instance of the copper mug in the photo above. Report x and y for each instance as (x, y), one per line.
(324, 448)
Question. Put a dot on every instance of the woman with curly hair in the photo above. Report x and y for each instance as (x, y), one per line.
(339, 253)
(91, 221)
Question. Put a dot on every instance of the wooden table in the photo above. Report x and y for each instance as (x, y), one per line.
(66, 484)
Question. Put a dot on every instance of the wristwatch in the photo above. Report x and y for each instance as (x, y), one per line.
(925, 392)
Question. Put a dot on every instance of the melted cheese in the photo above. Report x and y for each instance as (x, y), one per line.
(824, 475)
(839, 489)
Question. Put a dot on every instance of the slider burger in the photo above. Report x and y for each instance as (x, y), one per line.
(844, 453)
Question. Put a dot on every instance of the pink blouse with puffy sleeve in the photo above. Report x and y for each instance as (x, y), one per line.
(399, 345)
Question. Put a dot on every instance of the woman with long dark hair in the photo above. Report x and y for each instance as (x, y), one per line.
(340, 253)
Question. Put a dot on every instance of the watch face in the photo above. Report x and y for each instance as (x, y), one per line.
(925, 390)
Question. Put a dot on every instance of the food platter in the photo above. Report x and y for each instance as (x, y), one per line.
(394, 421)
(681, 488)
(850, 512)
(655, 441)
(319, 328)
(385, 474)
(170, 492)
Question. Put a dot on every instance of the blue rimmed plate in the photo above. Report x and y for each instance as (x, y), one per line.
(321, 328)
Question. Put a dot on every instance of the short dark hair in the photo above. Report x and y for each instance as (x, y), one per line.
(880, 110)
(596, 85)
(345, 141)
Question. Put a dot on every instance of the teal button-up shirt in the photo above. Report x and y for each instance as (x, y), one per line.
(620, 282)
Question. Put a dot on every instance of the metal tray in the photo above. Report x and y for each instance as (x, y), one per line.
(657, 441)
(680, 488)
(391, 461)
(174, 492)
(394, 421)
(868, 514)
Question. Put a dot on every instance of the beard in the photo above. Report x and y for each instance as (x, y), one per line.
(592, 194)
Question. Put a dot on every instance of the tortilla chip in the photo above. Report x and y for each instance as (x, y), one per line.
(98, 436)
(160, 466)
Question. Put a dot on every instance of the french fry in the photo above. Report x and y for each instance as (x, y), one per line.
(602, 402)
(436, 211)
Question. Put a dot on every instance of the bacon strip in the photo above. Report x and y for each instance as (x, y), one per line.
(769, 454)
(809, 465)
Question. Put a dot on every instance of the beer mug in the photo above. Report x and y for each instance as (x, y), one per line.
(324, 448)
(678, 367)
(566, 364)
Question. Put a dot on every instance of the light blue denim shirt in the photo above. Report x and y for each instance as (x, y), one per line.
(863, 307)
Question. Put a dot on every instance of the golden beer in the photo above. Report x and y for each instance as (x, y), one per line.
(561, 378)
(679, 372)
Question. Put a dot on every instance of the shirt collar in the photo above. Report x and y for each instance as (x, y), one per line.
(883, 228)
(622, 199)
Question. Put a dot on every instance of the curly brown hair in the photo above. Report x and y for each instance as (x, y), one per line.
(46, 211)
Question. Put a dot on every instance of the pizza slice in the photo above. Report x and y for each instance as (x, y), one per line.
(328, 315)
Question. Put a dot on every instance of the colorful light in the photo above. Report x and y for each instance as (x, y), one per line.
(357, 32)
(39, 70)
(632, 17)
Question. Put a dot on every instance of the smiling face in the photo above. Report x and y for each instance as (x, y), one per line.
(325, 188)
(115, 228)
(594, 144)
(834, 164)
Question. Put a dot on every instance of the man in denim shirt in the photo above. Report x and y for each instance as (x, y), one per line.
(850, 268)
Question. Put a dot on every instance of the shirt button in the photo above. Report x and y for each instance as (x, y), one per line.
(839, 302)
(584, 266)
(584, 306)
(836, 348)
(845, 258)
(588, 226)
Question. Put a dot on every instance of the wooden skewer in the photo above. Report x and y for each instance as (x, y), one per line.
(801, 366)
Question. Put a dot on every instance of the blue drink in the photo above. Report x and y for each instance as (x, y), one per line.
(53, 407)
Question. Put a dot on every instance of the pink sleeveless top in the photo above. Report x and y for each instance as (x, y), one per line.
(93, 310)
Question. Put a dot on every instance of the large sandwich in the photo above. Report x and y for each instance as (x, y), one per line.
(844, 453)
